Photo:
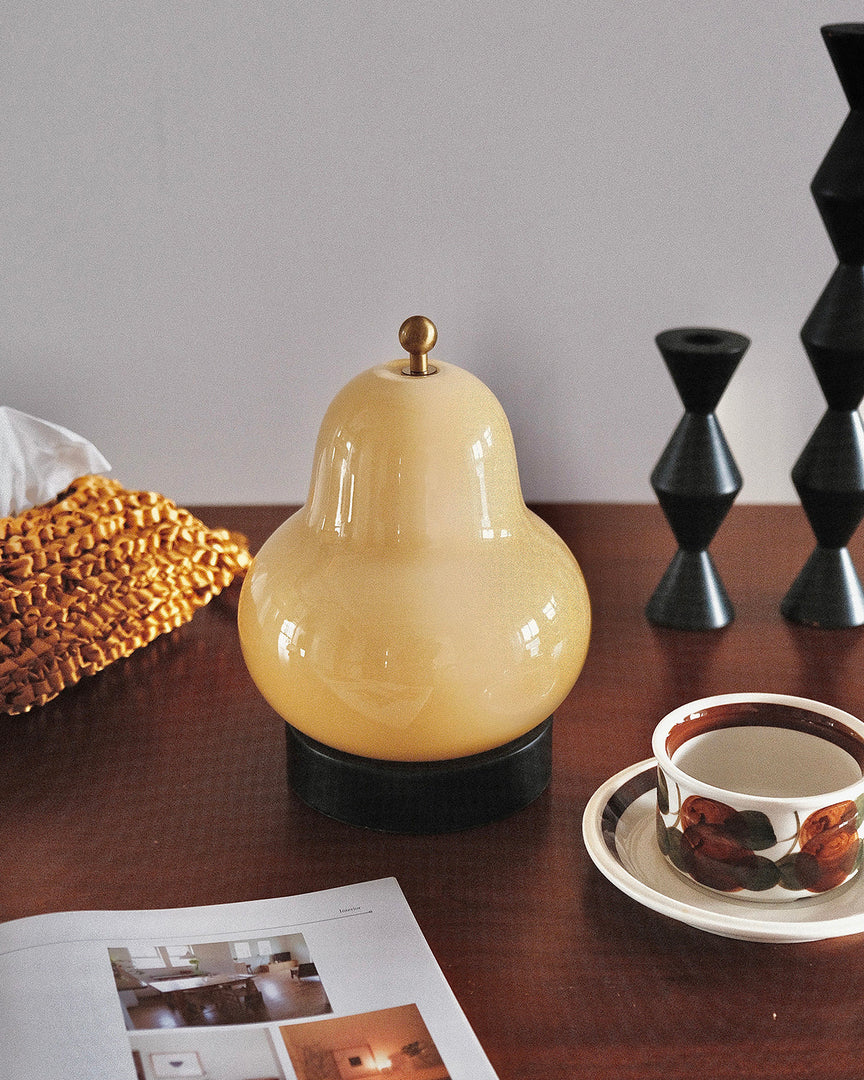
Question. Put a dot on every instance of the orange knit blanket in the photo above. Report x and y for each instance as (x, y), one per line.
(95, 574)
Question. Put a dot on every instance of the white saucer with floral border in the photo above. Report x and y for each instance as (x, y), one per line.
(619, 831)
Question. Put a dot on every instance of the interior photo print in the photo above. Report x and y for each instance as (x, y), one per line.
(393, 1043)
(217, 983)
(233, 1053)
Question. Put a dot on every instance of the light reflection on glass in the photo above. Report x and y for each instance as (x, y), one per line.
(478, 452)
(531, 636)
(343, 517)
(288, 634)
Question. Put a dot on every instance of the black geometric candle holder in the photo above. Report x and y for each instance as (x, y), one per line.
(829, 474)
(696, 479)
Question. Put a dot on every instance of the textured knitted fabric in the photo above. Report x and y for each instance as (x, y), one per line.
(94, 574)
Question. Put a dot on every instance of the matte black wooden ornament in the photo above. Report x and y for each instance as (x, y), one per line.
(829, 474)
(696, 479)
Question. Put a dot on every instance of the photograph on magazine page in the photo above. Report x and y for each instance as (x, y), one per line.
(217, 983)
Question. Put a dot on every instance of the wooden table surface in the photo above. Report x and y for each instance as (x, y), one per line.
(160, 782)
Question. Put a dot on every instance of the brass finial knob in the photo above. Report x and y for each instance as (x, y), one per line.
(417, 336)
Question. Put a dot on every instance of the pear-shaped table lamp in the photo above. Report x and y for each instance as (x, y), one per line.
(414, 623)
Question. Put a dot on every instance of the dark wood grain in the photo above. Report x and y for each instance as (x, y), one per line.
(161, 782)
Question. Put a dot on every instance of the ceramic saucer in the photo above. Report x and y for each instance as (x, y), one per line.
(618, 829)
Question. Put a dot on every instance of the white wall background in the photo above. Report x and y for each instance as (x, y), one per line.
(214, 214)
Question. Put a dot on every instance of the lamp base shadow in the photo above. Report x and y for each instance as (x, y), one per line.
(690, 595)
(827, 592)
(422, 796)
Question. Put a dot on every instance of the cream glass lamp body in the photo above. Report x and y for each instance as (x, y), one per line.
(414, 609)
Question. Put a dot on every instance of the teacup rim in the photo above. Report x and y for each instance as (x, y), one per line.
(685, 780)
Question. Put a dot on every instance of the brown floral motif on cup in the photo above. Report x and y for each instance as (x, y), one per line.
(719, 846)
(830, 847)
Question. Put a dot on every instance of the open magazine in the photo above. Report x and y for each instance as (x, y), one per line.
(330, 985)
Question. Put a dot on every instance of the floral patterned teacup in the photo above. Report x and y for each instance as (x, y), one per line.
(761, 796)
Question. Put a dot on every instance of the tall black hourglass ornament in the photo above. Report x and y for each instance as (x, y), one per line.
(696, 479)
(829, 474)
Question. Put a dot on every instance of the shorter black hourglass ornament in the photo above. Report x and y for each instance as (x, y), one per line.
(696, 479)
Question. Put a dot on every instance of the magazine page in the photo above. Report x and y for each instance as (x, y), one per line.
(330, 985)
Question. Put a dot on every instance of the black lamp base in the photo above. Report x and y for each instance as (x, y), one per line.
(421, 796)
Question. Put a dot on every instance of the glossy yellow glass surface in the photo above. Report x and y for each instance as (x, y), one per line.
(414, 608)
